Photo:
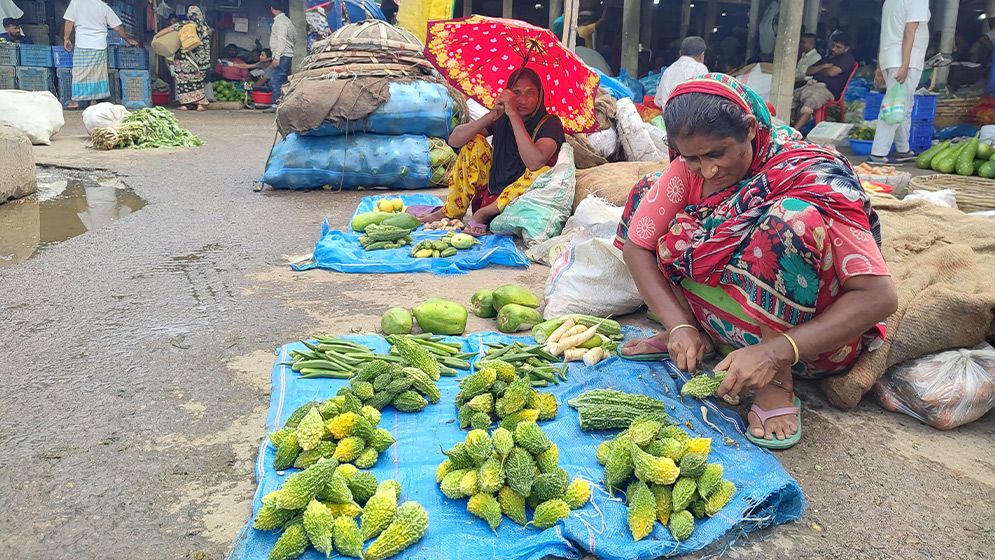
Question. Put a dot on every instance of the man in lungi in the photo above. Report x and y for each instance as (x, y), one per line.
(90, 19)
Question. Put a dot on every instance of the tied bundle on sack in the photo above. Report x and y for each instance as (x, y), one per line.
(362, 94)
(944, 390)
(541, 211)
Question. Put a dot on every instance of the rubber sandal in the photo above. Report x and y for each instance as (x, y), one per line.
(765, 415)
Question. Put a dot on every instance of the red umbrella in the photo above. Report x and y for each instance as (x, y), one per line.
(478, 54)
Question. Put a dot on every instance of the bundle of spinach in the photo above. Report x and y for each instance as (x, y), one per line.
(155, 127)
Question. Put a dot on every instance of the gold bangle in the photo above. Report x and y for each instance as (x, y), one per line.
(794, 346)
(682, 326)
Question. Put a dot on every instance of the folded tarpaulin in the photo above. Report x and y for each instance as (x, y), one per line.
(766, 494)
(342, 252)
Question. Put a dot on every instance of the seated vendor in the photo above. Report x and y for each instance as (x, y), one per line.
(12, 32)
(758, 244)
(231, 67)
(261, 71)
(526, 141)
(827, 80)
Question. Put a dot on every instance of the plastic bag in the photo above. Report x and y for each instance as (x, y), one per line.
(946, 197)
(541, 210)
(38, 114)
(893, 106)
(944, 390)
(604, 142)
(613, 86)
(103, 115)
(633, 84)
(636, 141)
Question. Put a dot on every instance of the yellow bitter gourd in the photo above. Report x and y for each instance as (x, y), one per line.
(652, 469)
(683, 493)
(318, 522)
(548, 513)
(324, 450)
(491, 475)
(503, 442)
(351, 509)
(408, 527)
(709, 479)
(379, 512)
(513, 505)
(548, 406)
(291, 544)
(450, 484)
(348, 539)
(703, 386)
(442, 470)
(505, 372)
(521, 471)
(300, 488)
(578, 493)
(530, 437)
(720, 497)
(549, 460)
(479, 446)
(664, 502)
(482, 403)
(693, 464)
(349, 424)
(699, 445)
(681, 525)
(470, 483)
(486, 507)
(346, 470)
(619, 466)
(642, 510)
(348, 449)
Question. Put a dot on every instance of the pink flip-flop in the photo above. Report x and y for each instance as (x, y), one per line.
(471, 225)
(765, 415)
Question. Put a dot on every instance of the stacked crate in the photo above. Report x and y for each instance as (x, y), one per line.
(923, 115)
(35, 70)
(8, 61)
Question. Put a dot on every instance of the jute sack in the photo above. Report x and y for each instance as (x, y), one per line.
(613, 181)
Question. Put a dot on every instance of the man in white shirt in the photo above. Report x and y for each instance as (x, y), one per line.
(689, 65)
(281, 42)
(90, 19)
(904, 38)
(807, 57)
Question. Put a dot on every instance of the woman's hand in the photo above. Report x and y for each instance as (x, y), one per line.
(507, 100)
(753, 367)
(687, 347)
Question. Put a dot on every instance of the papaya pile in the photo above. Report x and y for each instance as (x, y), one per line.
(966, 158)
(514, 307)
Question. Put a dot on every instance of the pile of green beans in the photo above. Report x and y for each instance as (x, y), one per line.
(530, 361)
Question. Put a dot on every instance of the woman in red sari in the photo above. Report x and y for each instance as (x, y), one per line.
(758, 244)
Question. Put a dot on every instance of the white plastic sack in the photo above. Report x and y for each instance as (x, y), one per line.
(946, 197)
(756, 79)
(588, 275)
(593, 214)
(541, 211)
(476, 109)
(604, 142)
(659, 138)
(38, 114)
(636, 141)
(944, 390)
(103, 115)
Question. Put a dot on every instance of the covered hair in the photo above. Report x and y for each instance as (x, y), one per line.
(532, 76)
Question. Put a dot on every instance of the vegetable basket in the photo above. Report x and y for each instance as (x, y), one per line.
(974, 194)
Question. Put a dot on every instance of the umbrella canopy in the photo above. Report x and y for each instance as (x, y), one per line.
(478, 54)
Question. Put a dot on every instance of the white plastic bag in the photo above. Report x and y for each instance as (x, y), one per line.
(659, 138)
(38, 114)
(588, 275)
(944, 390)
(541, 211)
(593, 214)
(103, 115)
(476, 109)
(946, 197)
(636, 141)
(604, 142)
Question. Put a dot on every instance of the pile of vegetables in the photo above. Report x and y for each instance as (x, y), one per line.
(862, 132)
(384, 236)
(434, 316)
(361, 222)
(965, 158)
(498, 392)
(666, 476)
(154, 127)
(228, 91)
(330, 356)
(446, 246)
(446, 224)
(508, 470)
(448, 354)
(515, 307)
(409, 386)
(530, 362)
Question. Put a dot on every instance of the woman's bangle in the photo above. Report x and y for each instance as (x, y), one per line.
(794, 346)
(682, 326)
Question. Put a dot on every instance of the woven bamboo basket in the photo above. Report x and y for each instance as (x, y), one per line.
(974, 194)
(951, 112)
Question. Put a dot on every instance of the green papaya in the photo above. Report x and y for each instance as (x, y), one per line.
(514, 317)
(396, 320)
(364, 220)
(441, 316)
(482, 303)
(510, 293)
(402, 220)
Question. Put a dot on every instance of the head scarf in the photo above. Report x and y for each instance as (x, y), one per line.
(706, 236)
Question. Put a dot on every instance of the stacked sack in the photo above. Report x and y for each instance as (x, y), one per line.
(365, 110)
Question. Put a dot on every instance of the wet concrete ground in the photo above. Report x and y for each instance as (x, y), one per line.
(136, 363)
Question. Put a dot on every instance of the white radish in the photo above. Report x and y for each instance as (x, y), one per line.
(573, 340)
(574, 354)
(595, 355)
(555, 335)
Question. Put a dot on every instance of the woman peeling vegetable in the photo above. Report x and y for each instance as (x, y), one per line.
(526, 141)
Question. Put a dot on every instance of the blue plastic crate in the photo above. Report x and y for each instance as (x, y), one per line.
(32, 78)
(872, 105)
(62, 57)
(8, 77)
(34, 11)
(128, 58)
(64, 85)
(136, 89)
(36, 55)
(8, 54)
(924, 109)
(921, 137)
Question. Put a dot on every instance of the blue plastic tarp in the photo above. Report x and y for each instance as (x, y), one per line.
(342, 252)
(421, 108)
(615, 87)
(767, 495)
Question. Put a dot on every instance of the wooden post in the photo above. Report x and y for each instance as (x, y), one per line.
(555, 11)
(710, 18)
(630, 37)
(685, 18)
(296, 15)
(753, 28)
(811, 15)
(467, 8)
(948, 29)
(506, 8)
(570, 12)
(786, 58)
(646, 29)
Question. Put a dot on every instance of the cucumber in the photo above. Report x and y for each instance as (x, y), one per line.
(987, 170)
(925, 158)
(965, 160)
(985, 151)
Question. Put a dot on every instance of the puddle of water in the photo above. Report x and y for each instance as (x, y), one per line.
(67, 204)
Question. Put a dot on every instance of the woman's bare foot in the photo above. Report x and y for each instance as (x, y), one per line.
(475, 229)
(649, 345)
(201, 107)
(183, 108)
(779, 393)
(433, 216)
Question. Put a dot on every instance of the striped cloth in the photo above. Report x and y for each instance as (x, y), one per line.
(90, 74)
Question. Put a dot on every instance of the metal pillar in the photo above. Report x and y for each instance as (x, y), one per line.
(754, 27)
(710, 18)
(467, 8)
(555, 11)
(686, 18)
(646, 29)
(506, 8)
(630, 36)
(949, 23)
(296, 15)
(811, 15)
(786, 58)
